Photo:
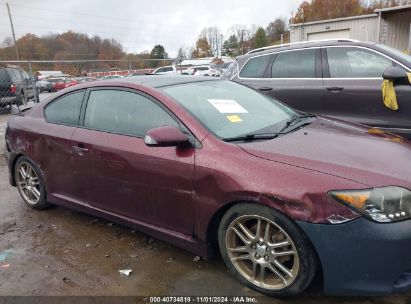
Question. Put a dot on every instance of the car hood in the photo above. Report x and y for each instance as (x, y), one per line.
(365, 155)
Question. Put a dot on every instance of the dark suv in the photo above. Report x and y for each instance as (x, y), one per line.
(338, 78)
(16, 87)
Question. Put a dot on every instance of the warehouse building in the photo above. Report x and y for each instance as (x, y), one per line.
(391, 26)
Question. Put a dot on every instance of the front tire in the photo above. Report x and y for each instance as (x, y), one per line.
(265, 250)
(30, 183)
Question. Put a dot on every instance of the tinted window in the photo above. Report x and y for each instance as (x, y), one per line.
(65, 110)
(255, 67)
(25, 75)
(294, 64)
(15, 74)
(124, 113)
(349, 62)
(4, 76)
(169, 69)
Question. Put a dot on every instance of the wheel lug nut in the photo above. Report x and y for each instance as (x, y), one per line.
(266, 258)
(257, 256)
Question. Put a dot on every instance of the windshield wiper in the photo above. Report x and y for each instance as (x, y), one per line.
(251, 136)
(294, 119)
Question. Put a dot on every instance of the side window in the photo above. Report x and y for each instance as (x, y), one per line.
(351, 62)
(294, 64)
(65, 110)
(168, 69)
(124, 112)
(255, 67)
(25, 75)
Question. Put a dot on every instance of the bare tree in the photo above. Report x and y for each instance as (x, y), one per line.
(214, 38)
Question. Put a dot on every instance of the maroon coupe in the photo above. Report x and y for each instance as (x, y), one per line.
(209, 164)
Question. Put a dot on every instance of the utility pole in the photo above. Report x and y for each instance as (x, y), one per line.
(242, 42)
(12, 30)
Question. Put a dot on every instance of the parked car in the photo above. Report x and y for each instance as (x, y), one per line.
(16, 87)
(110, 77)
(338, 78)
(165, 70)
(201, 162)
(85, 79)
(70, 82)
(188, 71)
(205, 70)
(56, 84)
(135, 74)
(43, 85)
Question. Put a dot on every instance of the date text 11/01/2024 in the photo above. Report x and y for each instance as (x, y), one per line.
(203, 299)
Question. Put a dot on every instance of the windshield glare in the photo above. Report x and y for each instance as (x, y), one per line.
(229, 109)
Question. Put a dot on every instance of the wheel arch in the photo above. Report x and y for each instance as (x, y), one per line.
(214, 223)
(13, 169)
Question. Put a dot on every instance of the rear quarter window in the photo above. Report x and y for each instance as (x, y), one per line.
(65, 110)
(255, 67)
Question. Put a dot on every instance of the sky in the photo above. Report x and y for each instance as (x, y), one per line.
(139, 25)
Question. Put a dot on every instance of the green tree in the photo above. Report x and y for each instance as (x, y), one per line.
(158, 52)
(260, 39)
(181, 55)
(230, 46)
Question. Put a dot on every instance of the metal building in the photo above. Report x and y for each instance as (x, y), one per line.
(391, 26)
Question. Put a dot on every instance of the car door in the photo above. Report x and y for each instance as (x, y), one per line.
(292, 76)
(116, 172)
(30, 88)
(54, 151)
(353, 79)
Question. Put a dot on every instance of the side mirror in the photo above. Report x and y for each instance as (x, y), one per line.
(394, 74)
(166, 136)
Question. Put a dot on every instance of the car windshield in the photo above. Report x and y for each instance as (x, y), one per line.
(229, 109)
(403, 56)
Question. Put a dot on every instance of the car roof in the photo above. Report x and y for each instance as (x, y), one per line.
(157, 81)
(302, 45)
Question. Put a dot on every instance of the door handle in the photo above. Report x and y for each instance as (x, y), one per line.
(80, 149)
(265, 89)
(335, 89)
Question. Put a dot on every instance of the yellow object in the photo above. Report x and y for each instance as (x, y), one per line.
(409, 77)
(356, 199)
(388, 95)
(234, 118)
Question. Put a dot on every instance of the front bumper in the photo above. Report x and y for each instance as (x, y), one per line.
(361, 257)
(7, 100)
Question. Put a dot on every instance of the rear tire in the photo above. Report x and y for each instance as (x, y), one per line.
(30, 183)
(266, 250)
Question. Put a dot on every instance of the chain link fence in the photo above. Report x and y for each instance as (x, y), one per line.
(25, 81)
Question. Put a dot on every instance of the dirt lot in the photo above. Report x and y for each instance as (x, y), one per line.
(61, 252)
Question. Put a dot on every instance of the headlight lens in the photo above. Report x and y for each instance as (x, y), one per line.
(385, 205)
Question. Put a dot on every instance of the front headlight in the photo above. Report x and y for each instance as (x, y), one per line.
(386, 204)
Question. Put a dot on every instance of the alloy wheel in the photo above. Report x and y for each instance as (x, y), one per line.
(28, 183)
(262, 252)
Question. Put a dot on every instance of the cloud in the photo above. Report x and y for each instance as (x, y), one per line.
(139, 25)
